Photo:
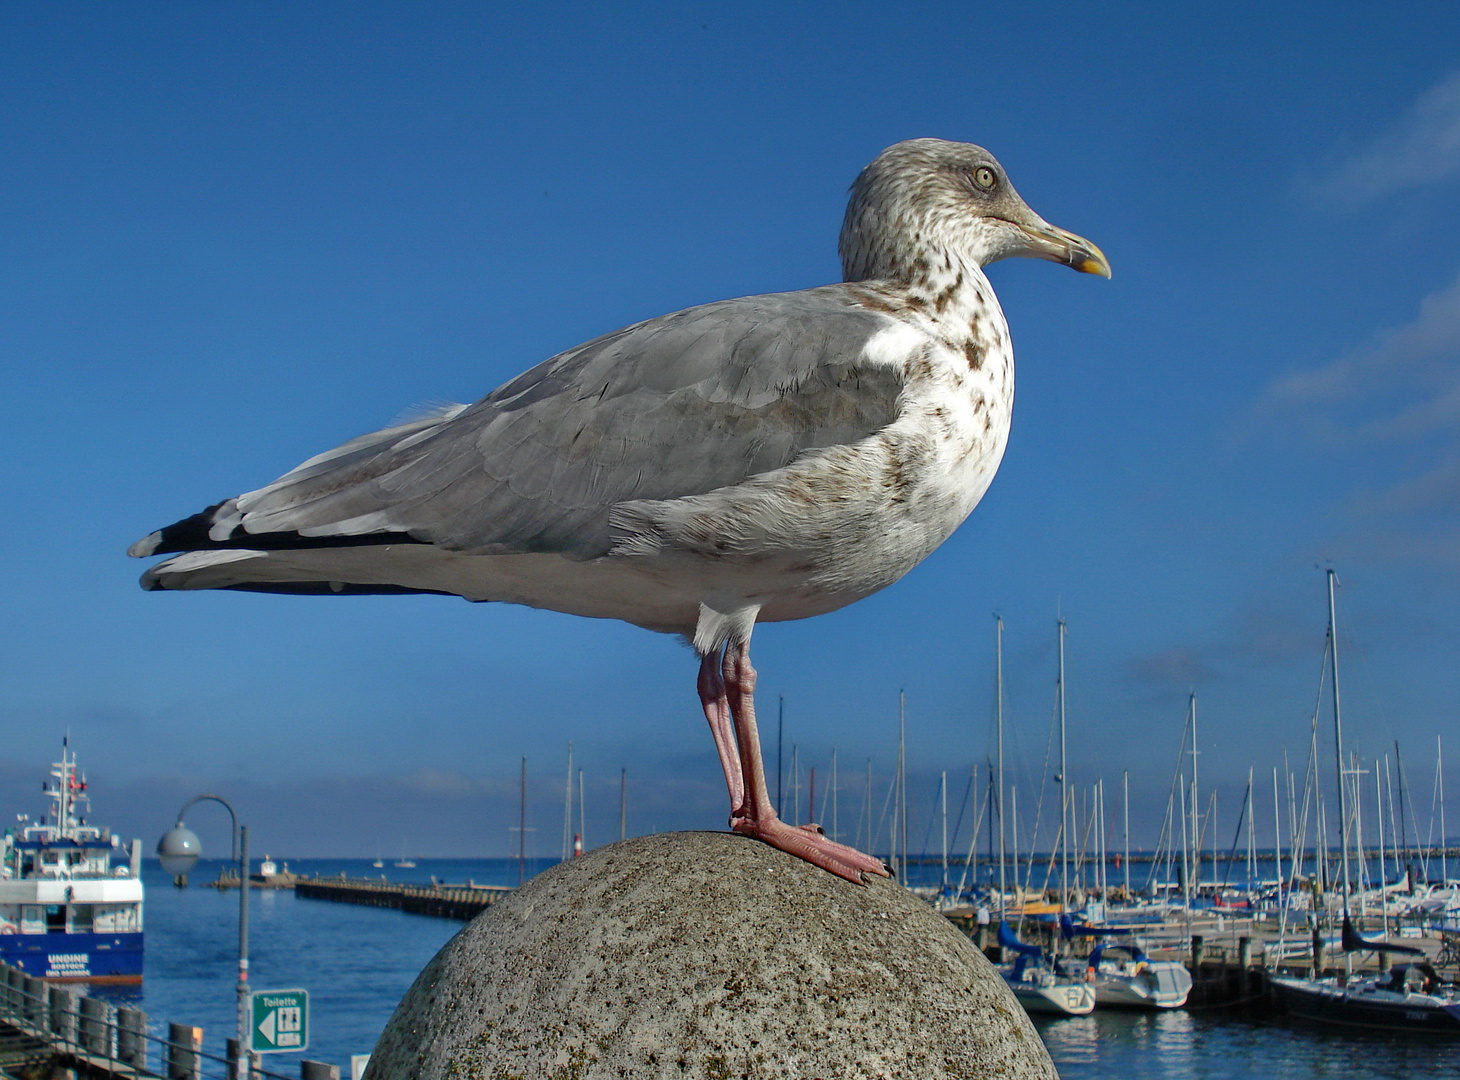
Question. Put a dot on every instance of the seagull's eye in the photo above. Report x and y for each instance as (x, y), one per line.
(984, 177)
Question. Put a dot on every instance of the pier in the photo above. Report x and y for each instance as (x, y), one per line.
(461, 902)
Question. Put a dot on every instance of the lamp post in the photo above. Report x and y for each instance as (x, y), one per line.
(178, 851)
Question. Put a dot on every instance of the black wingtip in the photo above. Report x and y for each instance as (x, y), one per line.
(195, 534)
(189, 534)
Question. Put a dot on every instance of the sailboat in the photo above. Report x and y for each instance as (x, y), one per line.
(1132, 980)
(1040, 982)
(1409, 998)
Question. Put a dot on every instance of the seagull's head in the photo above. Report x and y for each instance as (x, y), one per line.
(925, 205)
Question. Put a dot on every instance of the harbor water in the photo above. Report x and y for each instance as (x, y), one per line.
(357, 962)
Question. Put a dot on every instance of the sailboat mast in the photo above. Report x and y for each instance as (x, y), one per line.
(943, 798)
(901, 813)
(1444, 843)
(1383, 868)
(1403, 825)
(1251, 835)
(1064, 786)
(796, 783)
(999, 717)
(1338, 739)
(1185, 865)
(1014, 838)
(1125, 799)
(1195, 806)
(1277, 835)
(780, 747)
(568, 806)
(834, 833)
(522, 826)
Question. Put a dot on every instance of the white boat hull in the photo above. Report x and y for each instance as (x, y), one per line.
(1160, 986)
(1058, 998)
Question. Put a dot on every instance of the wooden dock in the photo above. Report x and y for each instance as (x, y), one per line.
(461, 902)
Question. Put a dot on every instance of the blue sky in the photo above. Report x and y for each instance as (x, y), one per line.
(235, 236)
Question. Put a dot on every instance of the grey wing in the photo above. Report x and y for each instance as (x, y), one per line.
(676, 406)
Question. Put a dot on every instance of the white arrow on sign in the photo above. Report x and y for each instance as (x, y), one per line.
(270, 1026)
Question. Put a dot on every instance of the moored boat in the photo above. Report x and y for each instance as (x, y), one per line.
(1410, 999)
(70, 894)
(1040, 982)
(1134, 980)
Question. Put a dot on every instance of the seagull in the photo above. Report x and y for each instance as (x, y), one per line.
(750, 460)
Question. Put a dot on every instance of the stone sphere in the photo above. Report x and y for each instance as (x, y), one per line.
(707, 955)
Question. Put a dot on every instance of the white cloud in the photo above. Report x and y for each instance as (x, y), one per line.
(1397, 399)
(1422, 147)
(1405, 386)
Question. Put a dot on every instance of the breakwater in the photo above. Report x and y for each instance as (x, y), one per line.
(461, 902)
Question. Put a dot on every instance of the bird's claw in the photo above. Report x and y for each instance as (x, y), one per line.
(809, 842)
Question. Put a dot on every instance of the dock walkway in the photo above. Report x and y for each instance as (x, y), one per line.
(461, 902)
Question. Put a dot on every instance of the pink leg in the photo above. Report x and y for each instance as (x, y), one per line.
(717, 712)
(758, 817)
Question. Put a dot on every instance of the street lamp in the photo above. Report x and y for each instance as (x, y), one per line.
(178, 851)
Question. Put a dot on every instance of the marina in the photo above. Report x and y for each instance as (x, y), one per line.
(306, 941)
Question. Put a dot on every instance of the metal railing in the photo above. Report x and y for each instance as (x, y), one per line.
(105, 1039)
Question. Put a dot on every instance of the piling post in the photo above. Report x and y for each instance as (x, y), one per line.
(132, 1038)
(63, 1016)
(1383, 959)
(318, 1070)
(37, 998)
(1317, 953)
(183, 1045)
(244, 1070)
(1198, 953)
(1244, 953)
(94, 1024)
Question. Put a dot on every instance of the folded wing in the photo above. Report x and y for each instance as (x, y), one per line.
(679, 405)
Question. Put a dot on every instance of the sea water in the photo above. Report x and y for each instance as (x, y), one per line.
(357, 962)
